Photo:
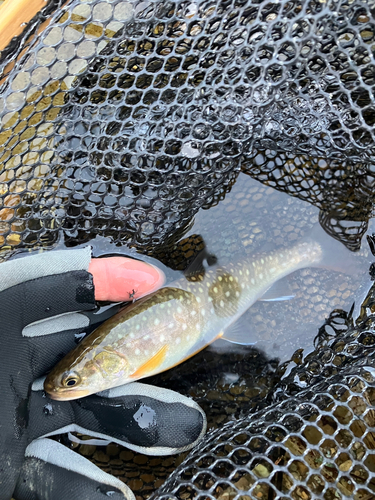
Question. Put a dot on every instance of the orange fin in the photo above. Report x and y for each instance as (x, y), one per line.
(151, 365)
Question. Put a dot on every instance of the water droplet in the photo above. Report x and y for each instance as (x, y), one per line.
(79, 336)
(201, 131)
(212, 150)
(108, 493)
(145, 417)
(47, 409)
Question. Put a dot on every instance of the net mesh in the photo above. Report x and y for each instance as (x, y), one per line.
(314, 439)
(123, 119)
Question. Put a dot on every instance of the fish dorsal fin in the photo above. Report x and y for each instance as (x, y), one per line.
(278, 291)
(239, 332)
(195, 270)
(152, 364)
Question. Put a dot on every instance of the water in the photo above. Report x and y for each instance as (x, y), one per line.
(255, 218)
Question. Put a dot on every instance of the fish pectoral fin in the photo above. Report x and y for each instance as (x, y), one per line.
(278, 291)
(152, 364)
(239, 332)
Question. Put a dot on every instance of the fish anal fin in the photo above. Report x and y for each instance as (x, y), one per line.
(238, 332)
(151, 365)
(278, 291)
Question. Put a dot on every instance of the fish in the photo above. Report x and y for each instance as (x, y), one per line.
(175, 322)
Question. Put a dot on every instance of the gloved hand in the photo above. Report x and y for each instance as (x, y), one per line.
(45, 304)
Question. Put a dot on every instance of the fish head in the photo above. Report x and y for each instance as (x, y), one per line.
(95, 372)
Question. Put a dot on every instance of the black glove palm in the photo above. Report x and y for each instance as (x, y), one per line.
(34, 302)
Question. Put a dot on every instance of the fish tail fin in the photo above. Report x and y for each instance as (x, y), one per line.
(335, 255)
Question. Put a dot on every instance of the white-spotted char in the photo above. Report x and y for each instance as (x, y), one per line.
(175, 322)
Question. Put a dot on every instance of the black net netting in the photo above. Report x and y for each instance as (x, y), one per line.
(314, 436)
(123, 119)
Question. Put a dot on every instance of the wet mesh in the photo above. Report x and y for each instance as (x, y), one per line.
(123, 119)
(315, 438)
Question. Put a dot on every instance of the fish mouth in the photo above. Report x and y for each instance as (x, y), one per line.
(65, 395)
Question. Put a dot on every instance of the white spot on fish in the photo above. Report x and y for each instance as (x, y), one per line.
(273, 269)
(146, 337)
(156, 321)
(201, 290)
(137, 352)
(179, 310)
(261, 276)
(188, 337)
(227, 294)
(198, 326)
(222, 304)
(171, 325)
(162, 338)
(237, 294)
(138, 327)
(178, 340)
(132, 335)
(198, 299)
(252, 281)
(184, 326)
(220, 278)
(193, 313)
(230, 278)
(203, 312)
(215, 289)
(262, 261)
(247, 272)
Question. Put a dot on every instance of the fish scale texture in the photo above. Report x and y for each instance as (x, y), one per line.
(124, 118)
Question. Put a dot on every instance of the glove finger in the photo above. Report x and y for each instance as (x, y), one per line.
(53, 472)
(144, 418)
(160, 421)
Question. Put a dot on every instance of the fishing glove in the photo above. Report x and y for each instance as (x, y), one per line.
(46, 303)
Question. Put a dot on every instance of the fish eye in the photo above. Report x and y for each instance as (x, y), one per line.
(70, 379)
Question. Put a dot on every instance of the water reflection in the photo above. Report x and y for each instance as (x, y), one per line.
(256, 218)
